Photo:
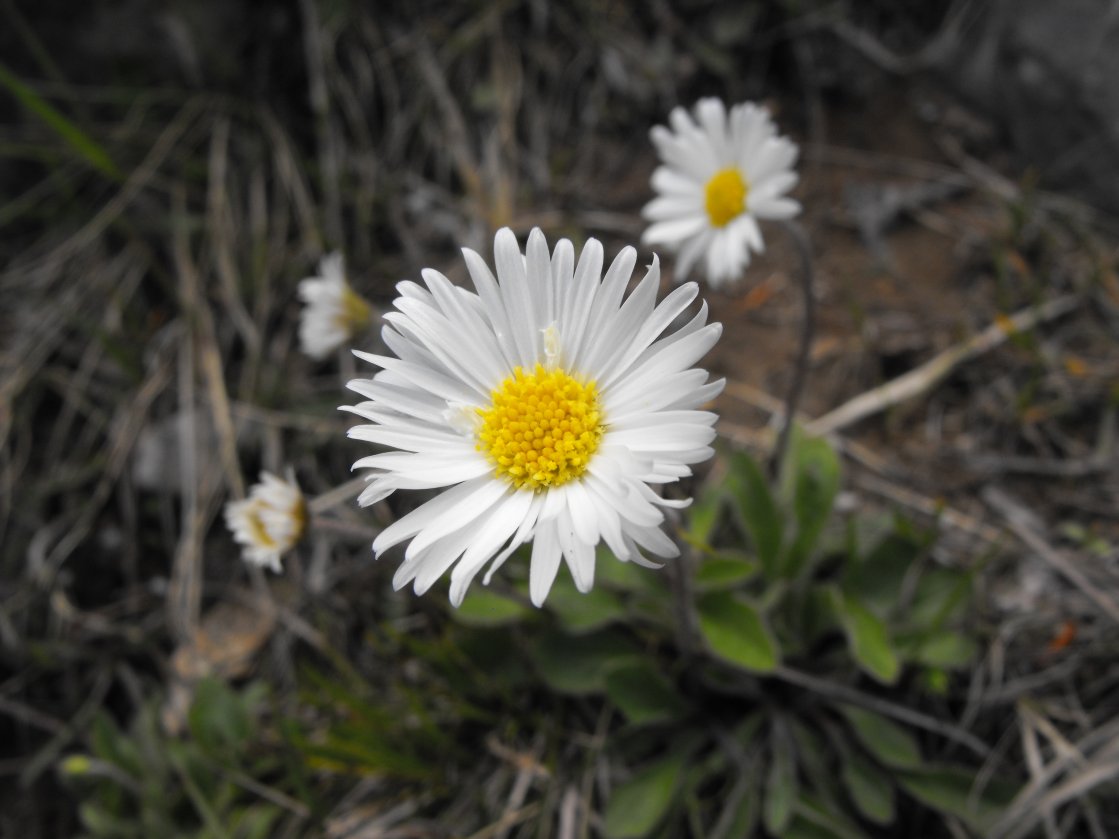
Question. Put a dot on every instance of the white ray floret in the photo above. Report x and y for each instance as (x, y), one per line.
(270, 521)
(544, 405)
(332, 312)
(720, 174)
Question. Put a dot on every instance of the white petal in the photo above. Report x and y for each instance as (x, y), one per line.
(674, 231)
(411, 524)
(544, 564)
(487, 539)
(516, 296)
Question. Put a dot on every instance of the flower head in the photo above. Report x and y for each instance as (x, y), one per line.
(721, 173)
(333, 312)
(543, 405)
(270, 521)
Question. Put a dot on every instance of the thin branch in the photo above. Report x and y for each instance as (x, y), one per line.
(807, 336)
(932, 372)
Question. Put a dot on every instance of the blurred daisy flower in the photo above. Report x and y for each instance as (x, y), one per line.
(543, 405)
(333, 312)
(721, 173)
(270, 521)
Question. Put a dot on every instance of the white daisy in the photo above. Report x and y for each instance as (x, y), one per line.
(719, 177)
(333, 312)
(270, 521)
(544, 404)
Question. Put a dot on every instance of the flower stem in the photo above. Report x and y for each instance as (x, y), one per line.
(807, 336)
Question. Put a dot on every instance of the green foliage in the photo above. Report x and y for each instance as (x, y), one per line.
(80, 143)
(736, 633)
(141, 782)
(638, 805)
(778, 585)
(733, 710)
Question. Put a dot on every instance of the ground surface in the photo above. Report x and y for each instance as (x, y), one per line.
(149, 313)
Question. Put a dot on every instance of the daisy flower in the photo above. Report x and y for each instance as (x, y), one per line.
(720, 175)
(333, 311)
(543, 405)
(270, 521)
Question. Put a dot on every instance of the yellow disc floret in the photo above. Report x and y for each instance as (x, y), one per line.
(541, 428)
(726, 196)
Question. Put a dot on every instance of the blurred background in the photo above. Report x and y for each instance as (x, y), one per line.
(936, 658)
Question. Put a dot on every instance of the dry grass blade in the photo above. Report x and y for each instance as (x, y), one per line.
(140, 178)
(1018, 519)
(932, 372)
(1094, 761)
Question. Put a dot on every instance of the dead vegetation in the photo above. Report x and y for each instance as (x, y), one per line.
(167, 185)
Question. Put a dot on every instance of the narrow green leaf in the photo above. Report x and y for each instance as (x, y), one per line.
(759, 511)
(100, 823)
(814, 818)
(578, 665)
(255, 822)
(703, 515)
(887, 741)
(814, 762)
(218, 719)
(82, 143)
(739, 815)
(643, 693)
(485, 607)
(736, 632)
(781, 786)
(876, 579)
(952, 790)
(941, 595)
(613, 573)
(816, 485)
(945, 649)
(580, 613)
(867, 638)
(638, 805)
(872, 792)
(723, 571)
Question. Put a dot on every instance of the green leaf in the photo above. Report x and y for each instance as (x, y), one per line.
(643, 694)
(814, 762)
(758, 509)
(867, 638)
(219, 721)
(580, 613)
(578, 665)
(739, 814)
(876, 580)
(781, 783)
(814, 819)
(952, 790)
(941, 595)
(723, 571)
(80, 142)
(255, 822)
(945, 649)
(735, 632)
(816, 474)
(638, 805)
(485, 607)
(703, 515)
(887, 741)
(99, 822)
(613, 573)
(872, 792)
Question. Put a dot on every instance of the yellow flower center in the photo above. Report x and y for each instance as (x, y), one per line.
(355, 313)
(257, 528)
(541, 429)
(726, 196)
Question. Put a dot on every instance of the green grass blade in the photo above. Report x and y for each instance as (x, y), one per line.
(77, 139)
